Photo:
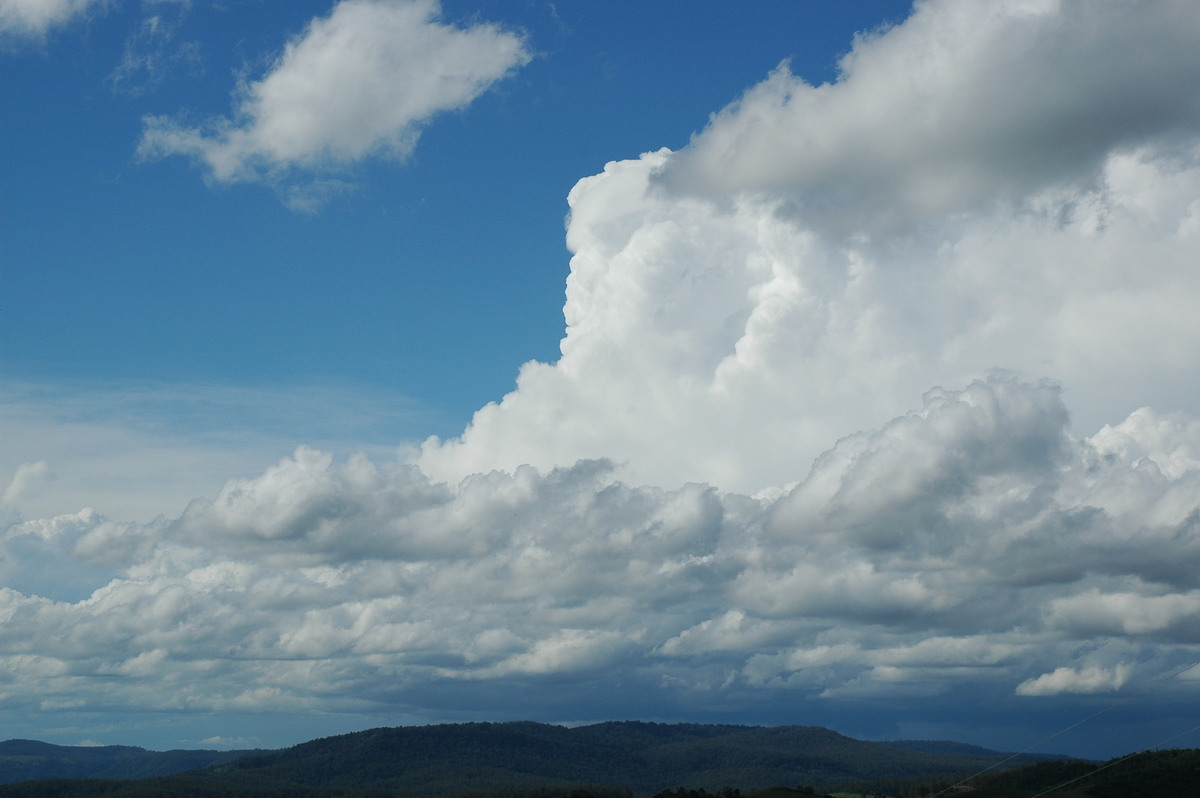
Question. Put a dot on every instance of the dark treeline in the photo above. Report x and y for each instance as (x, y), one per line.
(1172, 773)
(1157, 773)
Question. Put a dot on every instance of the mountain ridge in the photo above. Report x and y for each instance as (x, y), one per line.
(467, 757)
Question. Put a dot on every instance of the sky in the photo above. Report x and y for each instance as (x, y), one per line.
(378, 362)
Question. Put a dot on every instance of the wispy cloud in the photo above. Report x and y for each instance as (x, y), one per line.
(152, 52)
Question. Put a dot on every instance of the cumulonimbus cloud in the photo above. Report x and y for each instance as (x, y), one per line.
(359, 83)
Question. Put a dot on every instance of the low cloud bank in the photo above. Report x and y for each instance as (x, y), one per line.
(971, 541)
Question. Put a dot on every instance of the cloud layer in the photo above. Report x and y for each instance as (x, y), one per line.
(971, 542)
(359, 83)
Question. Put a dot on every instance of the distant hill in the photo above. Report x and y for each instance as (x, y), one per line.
(646, 757)
(26, 760)
(1172, 773)
(524, 758)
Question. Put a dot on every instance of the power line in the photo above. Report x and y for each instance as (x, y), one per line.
(1114, 705)
(1108, 765)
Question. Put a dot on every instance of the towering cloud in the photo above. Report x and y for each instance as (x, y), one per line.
(361, 82)
(988, 185)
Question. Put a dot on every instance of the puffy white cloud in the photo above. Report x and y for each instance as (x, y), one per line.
(359, 83)
(1000, 185)
(35, 18)
(1091, 679)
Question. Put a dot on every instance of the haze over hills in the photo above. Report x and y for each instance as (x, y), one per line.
(26, 760)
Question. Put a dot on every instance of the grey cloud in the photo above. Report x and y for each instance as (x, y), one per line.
(961, 105)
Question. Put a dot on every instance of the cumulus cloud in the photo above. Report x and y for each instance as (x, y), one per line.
(913, 558)
(360, 83)
(1092, 679)
(35, 18)
(1001, 185)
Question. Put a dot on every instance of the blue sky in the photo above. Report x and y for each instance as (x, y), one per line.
(381, 362)
(431, 279)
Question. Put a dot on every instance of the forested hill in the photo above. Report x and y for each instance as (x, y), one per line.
(25, 760)
(647, 757)
(644, 758)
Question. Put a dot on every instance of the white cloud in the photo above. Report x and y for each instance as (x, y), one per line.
(913, 558)
(359, 83)
(35, 18)
(1092, 679)
(1000, 185)
(1125, 613)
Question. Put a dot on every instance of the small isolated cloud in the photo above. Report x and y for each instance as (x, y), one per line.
(1092, 679)
(219, 741)
(360, 83)
(35, 18)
